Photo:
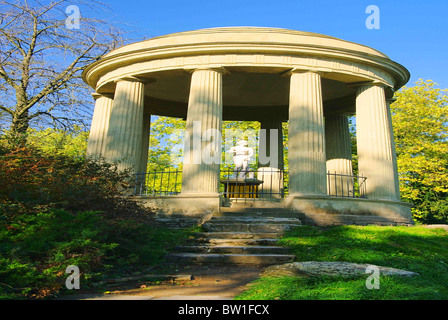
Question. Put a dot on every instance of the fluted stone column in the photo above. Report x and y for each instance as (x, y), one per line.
(270, 158)
(124, 138)
(100, 124)
(339, 156)
(375, 143)
(202, 152)
(307, 168)
(394, 150)
(270, 146)
(145, 143)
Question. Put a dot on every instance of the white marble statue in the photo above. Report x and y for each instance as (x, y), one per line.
(241, 157)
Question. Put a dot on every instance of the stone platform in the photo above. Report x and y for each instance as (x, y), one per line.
(311, 210)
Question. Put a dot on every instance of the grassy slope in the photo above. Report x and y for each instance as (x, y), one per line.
(417, 249)
(36, 248)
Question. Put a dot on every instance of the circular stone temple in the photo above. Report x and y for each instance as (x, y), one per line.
(311, 81)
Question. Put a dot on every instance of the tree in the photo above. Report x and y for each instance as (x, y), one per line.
(53, 141)
(168, 134)
(166, 143)
(420, 122)
(165, 156)
(43, 50)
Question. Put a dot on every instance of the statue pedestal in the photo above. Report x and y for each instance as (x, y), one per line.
(272, 186)
(241, 188)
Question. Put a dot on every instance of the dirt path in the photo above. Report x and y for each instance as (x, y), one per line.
(209, 283)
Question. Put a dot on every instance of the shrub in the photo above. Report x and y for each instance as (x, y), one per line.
(29, 177)
(56, 211)
(37, 246)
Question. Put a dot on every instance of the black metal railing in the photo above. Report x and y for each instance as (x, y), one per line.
(262, 183)
(346, 186)
(159, 183)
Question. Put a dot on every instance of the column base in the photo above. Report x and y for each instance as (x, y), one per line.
(325, 210)
(183, 203)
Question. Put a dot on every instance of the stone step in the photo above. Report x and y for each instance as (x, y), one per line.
(236, 259)
(234, 237)
(256, 212)
(237, 235)
(225, 249)
(245, 219)
(237, 242)
(176, 222)
(249, 227)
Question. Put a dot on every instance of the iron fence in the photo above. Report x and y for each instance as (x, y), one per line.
(159, 183)
(346, 186)
(262, 183)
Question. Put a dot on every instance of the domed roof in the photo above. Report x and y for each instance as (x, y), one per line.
(270, 50)
(247, 35)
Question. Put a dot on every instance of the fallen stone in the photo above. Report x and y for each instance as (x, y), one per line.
(147, 277)
(437, 226)
(326, 268)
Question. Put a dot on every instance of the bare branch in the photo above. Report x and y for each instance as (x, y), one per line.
(41, 60)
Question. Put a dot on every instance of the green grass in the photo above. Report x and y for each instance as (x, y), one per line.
(416, 249)
(37, 246)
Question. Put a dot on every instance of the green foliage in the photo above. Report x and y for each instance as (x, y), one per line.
(30, 177)
(166, 143)
(166, 150)
(233, 131)
(37, 246)
(416, 249)
(57, 210)
(420, 122)
(353, 144)
(51, 141)
(168, 134)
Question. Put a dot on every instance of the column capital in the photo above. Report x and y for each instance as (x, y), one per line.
(319, 71)
(371, 83)
(97, 95)
(391, 100)
(135, 79)
(336, 113)
(217, 68)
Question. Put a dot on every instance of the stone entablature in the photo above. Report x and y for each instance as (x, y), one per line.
(251, 50)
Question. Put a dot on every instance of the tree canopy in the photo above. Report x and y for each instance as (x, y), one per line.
(420, 122)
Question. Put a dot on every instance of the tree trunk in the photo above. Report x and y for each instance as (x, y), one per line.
(19, 126)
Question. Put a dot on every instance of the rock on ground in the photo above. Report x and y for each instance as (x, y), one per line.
(325, 268)
(437, 226)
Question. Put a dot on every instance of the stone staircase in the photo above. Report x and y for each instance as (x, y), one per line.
(239, 237)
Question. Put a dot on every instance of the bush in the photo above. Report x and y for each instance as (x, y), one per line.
(57, 211)
(30, 177)
(38, 246)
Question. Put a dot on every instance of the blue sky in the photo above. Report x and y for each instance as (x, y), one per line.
(413, 33)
